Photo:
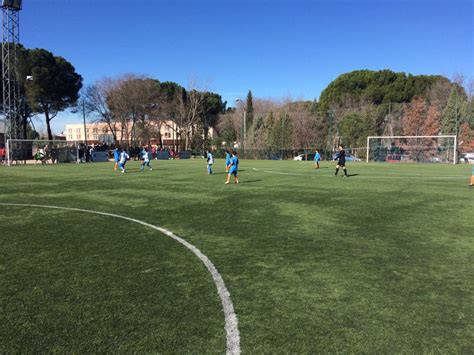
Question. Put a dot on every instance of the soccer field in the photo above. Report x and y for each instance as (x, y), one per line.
(380, 262)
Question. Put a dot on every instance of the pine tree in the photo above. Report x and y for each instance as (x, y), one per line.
(455, 111)
(249, 110)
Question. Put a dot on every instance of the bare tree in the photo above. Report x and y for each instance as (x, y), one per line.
(133, 102)
(95, 98)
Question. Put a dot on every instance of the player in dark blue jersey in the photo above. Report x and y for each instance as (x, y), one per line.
(341, 160)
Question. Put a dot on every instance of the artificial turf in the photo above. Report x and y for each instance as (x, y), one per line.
(380, 262)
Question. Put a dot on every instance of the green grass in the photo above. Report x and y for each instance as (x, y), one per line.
(381, 262)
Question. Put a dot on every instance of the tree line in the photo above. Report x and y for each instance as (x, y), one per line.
(136, 107)
(356, 105)
(350, 108)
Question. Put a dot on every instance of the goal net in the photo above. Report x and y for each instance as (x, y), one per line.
(22, 151)
(412, 149)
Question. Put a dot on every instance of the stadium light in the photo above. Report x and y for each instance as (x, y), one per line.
(244, 124)
(12, 4)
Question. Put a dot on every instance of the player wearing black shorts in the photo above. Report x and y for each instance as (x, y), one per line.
(341, 160)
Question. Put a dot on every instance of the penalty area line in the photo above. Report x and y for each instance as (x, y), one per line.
(231, 322)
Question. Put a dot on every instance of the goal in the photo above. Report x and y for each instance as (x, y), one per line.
(412, 149)
(23, 151)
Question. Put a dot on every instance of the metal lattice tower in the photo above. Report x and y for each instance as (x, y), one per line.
(10, 83)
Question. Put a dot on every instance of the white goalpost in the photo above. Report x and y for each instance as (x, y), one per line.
(412, 149)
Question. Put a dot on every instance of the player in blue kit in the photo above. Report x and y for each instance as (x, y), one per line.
(233, 168)
(116, 157)
(228, 159)
(146, 159)
(210, 161)
(123, 160)
(317, 159)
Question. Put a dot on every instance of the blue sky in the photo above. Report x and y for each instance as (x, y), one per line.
(278, 48)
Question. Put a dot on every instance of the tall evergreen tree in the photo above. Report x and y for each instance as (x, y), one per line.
(249, 110)
(455, 111)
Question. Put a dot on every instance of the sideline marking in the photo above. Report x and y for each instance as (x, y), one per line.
(416, 176)
(231, 322)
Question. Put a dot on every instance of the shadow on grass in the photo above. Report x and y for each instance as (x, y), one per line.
(249, 181)
(223, 172)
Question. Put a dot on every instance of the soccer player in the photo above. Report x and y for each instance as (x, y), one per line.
(228, 159)
(233, 168)
(210, 161)
(123, 160)
(317, 159)
(146, 160)
(341, 160)
(116, 157)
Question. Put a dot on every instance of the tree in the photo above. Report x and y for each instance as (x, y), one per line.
(249, 122)
(228, 132)
(375, 87)
(455, 111)
(414, 117)
(133, 101)
(272, 131)
(355, 127)
(55, 85)
(432, 123)
(212, 107)
(95, 98)
(466, 136)
(305, 123)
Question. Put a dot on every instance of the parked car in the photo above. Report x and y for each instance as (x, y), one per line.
(348, 157)
(301, 157)
(467, 158)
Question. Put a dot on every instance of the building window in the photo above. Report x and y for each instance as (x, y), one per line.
(69, 131)
(70, 136)
(95, 136)
(78, 136)
(105, 130)
(78, 130)
(95, 131)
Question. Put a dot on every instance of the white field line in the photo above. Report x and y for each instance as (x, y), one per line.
(231, 323)
(387, 176)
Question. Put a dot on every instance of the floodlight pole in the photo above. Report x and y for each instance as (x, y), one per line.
(243, 129)
(10, 82)
(84, 119)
